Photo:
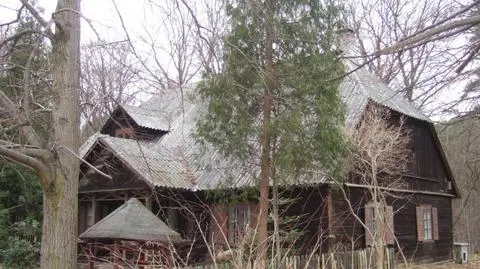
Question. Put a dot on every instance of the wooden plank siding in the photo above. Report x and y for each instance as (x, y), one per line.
(427, 170)
(348, 232)
(309, 205)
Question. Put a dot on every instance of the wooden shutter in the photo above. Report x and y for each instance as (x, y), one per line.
(420, 228)
(253, 215)
(369, 219)
(390, 232)
(219, 225)
(435, 223)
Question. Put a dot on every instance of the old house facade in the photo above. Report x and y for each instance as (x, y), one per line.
(148, 152)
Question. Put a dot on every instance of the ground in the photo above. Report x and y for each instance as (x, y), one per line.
(474, 263)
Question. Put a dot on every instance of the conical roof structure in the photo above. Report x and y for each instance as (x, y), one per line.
(132, 221)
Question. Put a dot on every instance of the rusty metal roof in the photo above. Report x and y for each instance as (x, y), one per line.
(123, 224)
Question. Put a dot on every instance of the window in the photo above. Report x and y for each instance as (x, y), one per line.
(239, 223)
(89, 216)
(373, 223)
(124, 132)
(229, 224)
(427, 223)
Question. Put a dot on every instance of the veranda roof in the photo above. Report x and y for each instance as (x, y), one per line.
(132, 221)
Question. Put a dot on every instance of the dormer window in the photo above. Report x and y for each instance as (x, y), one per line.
(124, 133)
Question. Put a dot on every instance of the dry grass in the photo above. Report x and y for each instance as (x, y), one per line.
(474, 263)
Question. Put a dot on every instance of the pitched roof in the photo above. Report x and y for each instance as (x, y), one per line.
(176, 160)
(361, 86)
(123, 224)
(148, 118)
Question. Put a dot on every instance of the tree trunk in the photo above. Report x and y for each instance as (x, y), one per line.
(59, 242)
(266, 147)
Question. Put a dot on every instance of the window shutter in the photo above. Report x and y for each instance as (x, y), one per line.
(253, 215)
(435, 223)
(420, 227)
(390, 232)
(369, 218)
(219, 225)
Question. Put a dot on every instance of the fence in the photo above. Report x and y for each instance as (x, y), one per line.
(359, 259)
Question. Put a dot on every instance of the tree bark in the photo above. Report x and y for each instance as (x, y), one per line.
(266, 146)
(59, 241)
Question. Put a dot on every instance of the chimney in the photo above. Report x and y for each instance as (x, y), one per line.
(347, 43)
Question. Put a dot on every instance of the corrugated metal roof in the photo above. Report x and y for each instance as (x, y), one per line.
(177, 161)
(87, 145)
(361, 86)
(148, 118)
(123, 224)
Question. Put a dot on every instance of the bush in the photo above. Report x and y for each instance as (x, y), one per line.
(21, 254)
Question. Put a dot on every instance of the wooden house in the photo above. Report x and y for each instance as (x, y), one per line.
(148, 152)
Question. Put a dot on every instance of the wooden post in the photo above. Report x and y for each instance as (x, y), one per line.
(94, 210)
(148, 202)
(91, 264)
(116, 253)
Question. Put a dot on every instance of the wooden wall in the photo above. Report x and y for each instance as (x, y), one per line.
(348, 232)
(309, 205)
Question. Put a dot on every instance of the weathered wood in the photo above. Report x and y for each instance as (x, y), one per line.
(346, 227)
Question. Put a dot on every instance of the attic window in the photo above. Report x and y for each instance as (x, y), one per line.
(124, 132)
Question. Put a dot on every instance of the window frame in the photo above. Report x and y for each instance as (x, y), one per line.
(427, 223)
(387, 217)
(239, 221)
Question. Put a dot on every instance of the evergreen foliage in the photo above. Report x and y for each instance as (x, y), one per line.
(307, 113)
(20, 216)
(20, 191)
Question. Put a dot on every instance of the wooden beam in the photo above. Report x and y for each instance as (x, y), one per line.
(94, 210)
(148, 202)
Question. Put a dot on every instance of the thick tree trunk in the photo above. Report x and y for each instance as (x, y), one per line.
(59, 239)
(59, 242)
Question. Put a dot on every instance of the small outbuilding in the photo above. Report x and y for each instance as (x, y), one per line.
(130, 235)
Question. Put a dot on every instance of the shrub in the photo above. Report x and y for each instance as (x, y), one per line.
(21, 254)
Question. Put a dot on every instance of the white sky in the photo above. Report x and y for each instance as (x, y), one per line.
(101, 13)
(138, 16)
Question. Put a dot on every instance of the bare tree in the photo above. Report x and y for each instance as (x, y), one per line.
(53, 157)
(183, 44)
(380, 154)
(421, 71)
(109, 77)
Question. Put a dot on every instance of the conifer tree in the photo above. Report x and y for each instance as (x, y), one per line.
(277, 97)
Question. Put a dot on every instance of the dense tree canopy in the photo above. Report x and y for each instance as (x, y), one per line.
(307, 112)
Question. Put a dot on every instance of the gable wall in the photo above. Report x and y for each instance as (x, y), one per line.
(123, 120)
(426, 164)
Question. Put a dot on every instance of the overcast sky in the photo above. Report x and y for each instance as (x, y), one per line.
(138, 16)
(101, 13)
